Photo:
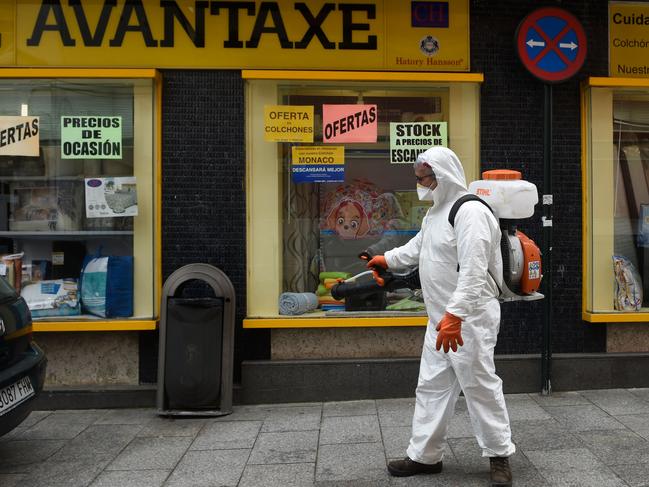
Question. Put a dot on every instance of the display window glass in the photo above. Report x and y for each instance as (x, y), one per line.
(77, 182)
(303, 235)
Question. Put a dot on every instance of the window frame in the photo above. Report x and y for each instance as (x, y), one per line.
(120, 324)
(597, 95)
(264, 207)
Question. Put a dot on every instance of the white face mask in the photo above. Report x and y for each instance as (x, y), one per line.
(424, 192)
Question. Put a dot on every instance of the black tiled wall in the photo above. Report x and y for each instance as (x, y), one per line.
(511, 134)
(203, 192)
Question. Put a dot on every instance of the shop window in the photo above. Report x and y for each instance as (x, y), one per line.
(86, 187)
(298, 230)
(616, 155)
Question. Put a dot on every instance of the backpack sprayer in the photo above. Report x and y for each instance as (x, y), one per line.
(510, 198)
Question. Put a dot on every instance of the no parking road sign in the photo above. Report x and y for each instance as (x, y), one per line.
(551, 44)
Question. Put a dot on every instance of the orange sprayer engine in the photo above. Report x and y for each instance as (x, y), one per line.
(511, 199)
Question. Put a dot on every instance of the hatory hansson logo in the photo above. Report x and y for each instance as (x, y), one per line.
(429, 45)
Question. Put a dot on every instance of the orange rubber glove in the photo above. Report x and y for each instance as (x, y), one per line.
(450, 333)
(377, 261)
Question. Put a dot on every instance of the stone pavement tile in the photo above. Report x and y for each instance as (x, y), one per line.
(395, 440)
(227, 435)
(151, 453)
(635, 475)
(616, 447)
(576, 467)
(356, 462)
(61, 425)
(445, 479)
(350, 429)
(131, 478)
(469, 456)
(568, 398)
(523, 407)
(543, 435)
(286, 475)
(173, 427)
(97, 441)
(386, 482)
(293, 419)
(617, 401)
(20, 456)
(642, 393)
(455, 476)
(14, 434)
(638, 423)
(396, 412)
(128, 416)
(64, 474)
(246, 413)
(34, 417)
(209, 468)
(460, 425)
(349, 408)
(11, 479)
(584, 418)
(286, 447)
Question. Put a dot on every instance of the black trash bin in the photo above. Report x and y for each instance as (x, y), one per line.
(193, 352)
(195, 360)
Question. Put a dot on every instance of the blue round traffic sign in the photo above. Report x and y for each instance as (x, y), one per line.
(551, 44)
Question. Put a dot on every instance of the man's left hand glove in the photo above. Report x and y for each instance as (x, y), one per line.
(450, 333)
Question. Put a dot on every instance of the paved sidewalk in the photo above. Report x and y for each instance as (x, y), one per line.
(587, 438)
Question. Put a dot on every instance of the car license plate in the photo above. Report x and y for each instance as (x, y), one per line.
(11, 396)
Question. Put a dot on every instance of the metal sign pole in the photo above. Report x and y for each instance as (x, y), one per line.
(551, 44)
(546, 352)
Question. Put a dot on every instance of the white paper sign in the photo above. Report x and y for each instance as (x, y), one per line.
(19, 136)
(110, 197)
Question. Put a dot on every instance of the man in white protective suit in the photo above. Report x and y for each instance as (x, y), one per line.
(458, 268)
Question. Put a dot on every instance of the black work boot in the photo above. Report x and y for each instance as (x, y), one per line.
(407, 467)
(501, 474)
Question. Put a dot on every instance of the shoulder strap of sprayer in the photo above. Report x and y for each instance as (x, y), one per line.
(451, 219)
(460, 201)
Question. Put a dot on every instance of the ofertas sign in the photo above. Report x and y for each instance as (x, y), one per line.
(19, 136)
(349, 123)
(84, 137)
(288, 123)
(318, 164)
(628, 43)
(408, 140)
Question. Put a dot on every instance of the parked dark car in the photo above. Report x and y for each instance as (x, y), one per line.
(22, 362)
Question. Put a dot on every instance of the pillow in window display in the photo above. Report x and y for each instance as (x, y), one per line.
(46, 207)
(628, 285)
(359, 210)
(59, 297)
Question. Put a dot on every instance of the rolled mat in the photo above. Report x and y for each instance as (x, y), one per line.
(297, 303)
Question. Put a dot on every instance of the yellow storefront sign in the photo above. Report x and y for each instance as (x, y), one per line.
(281, 34)
(288, 123)
(628, 30)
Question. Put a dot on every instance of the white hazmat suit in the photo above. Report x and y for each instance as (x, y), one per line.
(456, 266)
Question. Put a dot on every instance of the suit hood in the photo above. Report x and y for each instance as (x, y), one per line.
(451, 181)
